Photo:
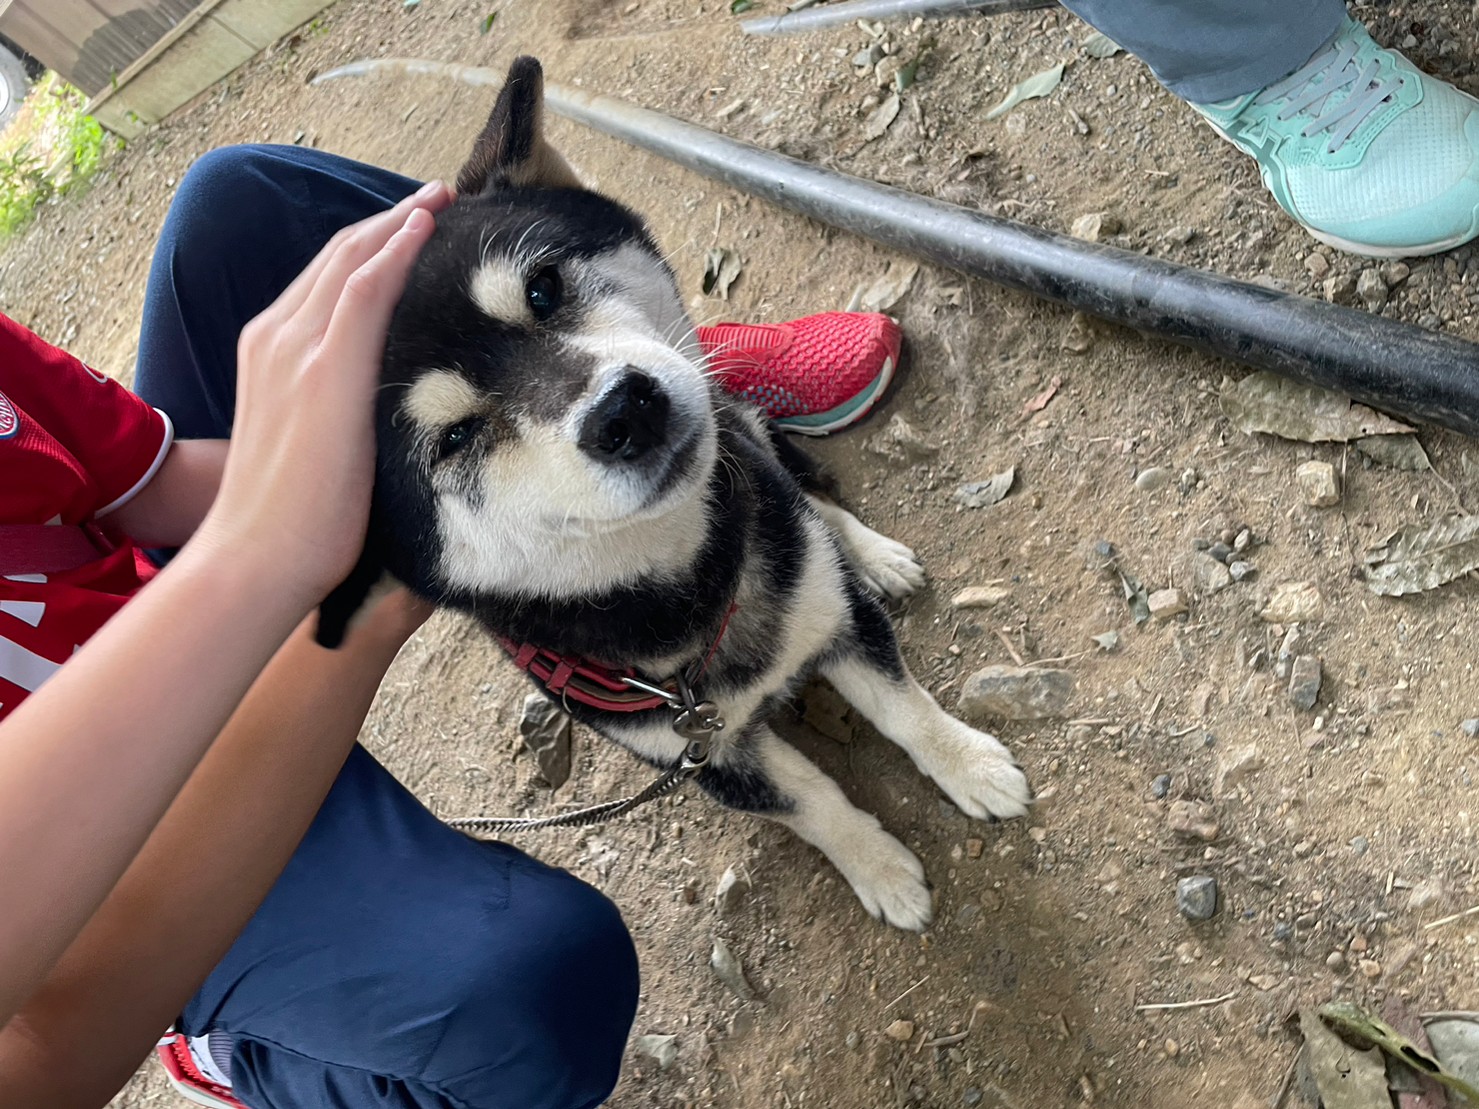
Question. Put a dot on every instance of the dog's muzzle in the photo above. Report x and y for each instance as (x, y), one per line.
(628, 422)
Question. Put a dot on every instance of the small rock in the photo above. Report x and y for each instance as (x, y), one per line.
(980, 596)
(1193, 820)
(1237, 767)
(730, 971)
(662, 1050)
(1394, 273)
(974, 848)
(1317, 264)
(1371, 287)
(1471, 728)
(972, 1097)
(731, 893)
(1100, 555)
(1171, 1048)
(1220, 551)
(1304, 682)
(1283, 932)
(1196, 898)
(1241, 571)
(1369, 968)
(1166, 604)
(1336, 961)
(853, 1041)
(1242, 540)
(1079, 337)
(1340, 289)
(1360, 844)
(1152, 478)
(1093, 226)
(900, 1030)
(1264, 982)
(1107, 641)
(1288, 652)
(1208, 575)
(1293, 602)
(546, 732)
(1017, 693)
(901, 440)
(1160, 789)
(1318, 484)
(1180, 236)
(884, 71)
(1427, 892)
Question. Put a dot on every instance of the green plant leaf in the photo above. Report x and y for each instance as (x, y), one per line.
(737, 7)
(1039, 84)
(487, 23)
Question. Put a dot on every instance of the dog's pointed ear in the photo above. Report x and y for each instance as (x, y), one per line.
(337, 611)
(512, 151)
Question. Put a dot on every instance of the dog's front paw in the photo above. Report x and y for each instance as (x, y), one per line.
(888, 879)
(885, 565)
(980, 776)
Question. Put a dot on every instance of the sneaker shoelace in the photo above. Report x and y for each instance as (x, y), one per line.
(1311, 88)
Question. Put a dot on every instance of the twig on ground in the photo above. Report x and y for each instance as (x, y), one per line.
(1160, 1006)
(1450, 919)
(1007, 643)
(907, 992)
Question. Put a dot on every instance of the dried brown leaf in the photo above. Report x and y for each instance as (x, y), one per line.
(1265, 402)
(1415, 559)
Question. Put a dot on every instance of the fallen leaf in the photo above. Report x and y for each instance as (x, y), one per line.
(1100, 45)
(488, 21)
(1039, 402)
(1347, 1078)
(1415, 559)
(721, 267)
(881, 118)
(1265, 402)
(1137, 598)
(738, 7)
(1400, 452)
(1360, 1028)
(1039, 84)
(1455, 1042)
(887, 290)
(907, 73)
(984, 494)
(1415, 1090)
(1109, 640)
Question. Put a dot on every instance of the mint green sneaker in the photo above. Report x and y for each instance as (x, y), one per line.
(1365, 150)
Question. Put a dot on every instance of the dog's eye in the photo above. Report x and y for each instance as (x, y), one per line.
(542, 291)
(454, 438)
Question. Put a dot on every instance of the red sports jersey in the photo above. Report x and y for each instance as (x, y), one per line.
(74, 446)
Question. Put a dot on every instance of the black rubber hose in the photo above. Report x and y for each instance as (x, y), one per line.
(847, 11)
(1402, 369)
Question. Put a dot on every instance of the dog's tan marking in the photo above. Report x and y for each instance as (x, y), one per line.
(497, 288)
(440, 399)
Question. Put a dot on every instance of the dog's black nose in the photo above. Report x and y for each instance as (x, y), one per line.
(628, 422)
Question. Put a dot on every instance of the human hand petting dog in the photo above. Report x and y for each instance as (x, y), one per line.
(299, 472)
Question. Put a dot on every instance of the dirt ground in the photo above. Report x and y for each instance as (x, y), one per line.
(1351, 828)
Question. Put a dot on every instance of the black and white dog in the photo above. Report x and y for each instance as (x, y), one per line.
(555, 461)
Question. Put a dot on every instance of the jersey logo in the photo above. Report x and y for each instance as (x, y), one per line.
(10, 421)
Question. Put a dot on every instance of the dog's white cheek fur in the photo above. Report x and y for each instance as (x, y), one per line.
(547, 525)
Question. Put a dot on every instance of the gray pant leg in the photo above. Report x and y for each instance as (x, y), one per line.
(1210, 50)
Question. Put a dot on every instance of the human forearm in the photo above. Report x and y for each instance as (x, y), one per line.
(167, 511)
(74, 814)
(203, 872)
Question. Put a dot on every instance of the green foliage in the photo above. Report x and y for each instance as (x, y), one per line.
(50, 149)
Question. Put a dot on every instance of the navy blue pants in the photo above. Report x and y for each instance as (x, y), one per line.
(396, 963)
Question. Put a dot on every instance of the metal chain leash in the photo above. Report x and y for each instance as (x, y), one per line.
(696, 721)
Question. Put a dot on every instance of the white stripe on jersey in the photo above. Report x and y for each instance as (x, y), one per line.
(23, 668)
(29, 611)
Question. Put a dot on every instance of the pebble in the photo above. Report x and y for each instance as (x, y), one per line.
(972, 1097)
(1209, 575)
(1196, 897)
(980, 596)
(1241, 571)
(974, 848)
(1336, 961)
(732, 892)
(1283, 932)
(1242, 540)
(1172, 1048)
(900, 1030)
(730, 971)
(1160, 789)
(1317, 264)
(1293, 602)
(1192, 819)
(1471, 728)
(1100, 555)
(1166, 604)
(1318, 484)
(1304, 682)
(853, 1041)
(1152, 478)
(1017, 693)
(1079, 337)
(1360, 844)
(1369, 968)
(662, 1050)
(1237, 767)
(1340, 289)
(1093, 226)
(546, 732)
(1220, 551)
(1371, 287)
(901, 440)
(1394, 273)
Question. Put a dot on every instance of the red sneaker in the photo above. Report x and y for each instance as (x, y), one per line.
(193, 1073)
(812, 375)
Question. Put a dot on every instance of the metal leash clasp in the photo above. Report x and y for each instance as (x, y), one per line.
(696, 721)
